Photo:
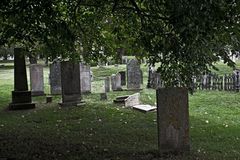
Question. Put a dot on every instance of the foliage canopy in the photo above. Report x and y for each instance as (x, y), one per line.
(185, 36)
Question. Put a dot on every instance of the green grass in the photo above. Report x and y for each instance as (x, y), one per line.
(103, 130)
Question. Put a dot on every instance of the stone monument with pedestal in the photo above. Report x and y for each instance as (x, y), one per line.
(21, 97)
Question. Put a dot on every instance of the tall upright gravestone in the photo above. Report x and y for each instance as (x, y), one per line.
(133, 75)
(21, 97)
(70, 79)
(36, 79)
(85, 78)
(173, 120)
(55, 78)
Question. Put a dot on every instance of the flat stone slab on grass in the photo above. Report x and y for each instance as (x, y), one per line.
(145, 107)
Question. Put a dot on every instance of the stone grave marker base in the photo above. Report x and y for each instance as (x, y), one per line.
(21, 100)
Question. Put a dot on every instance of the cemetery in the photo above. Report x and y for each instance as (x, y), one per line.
(119, 80)
(99, 128)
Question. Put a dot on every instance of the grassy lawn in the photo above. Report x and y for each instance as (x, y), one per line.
(103, 130)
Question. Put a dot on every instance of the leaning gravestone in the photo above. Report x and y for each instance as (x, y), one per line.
(133, 75)
(173, 120)
(132, 100)
(85, 78)
(36, 79)
(70, 79)
(123, 77)
(55, 78)
(21, 97)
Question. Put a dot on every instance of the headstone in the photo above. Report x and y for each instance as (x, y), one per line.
(85, 78)
(70, 79)
(113, 82)
(21, 97)
(144, 107)
(107, 84)
(173, 120)
(132, 100)
(36, 79)
(55, 78)
(116, 82)
(133, 75)
(123, 78)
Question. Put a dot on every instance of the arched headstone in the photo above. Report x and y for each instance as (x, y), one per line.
(133, 75)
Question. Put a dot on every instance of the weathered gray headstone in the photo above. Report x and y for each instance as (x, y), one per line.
(85, 78)
(55, 78)
(113, 82)
(107, 84)
(173, 120)
(132, 100)
(133, 75)
(36, 79)
(21, 97)
(116, 82)
(123, 78)
(70, 79)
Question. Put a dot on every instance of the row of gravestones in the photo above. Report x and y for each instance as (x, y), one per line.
(134, 78)
(172, 104)
(21, 97)
(37, 84)
(55, 78)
